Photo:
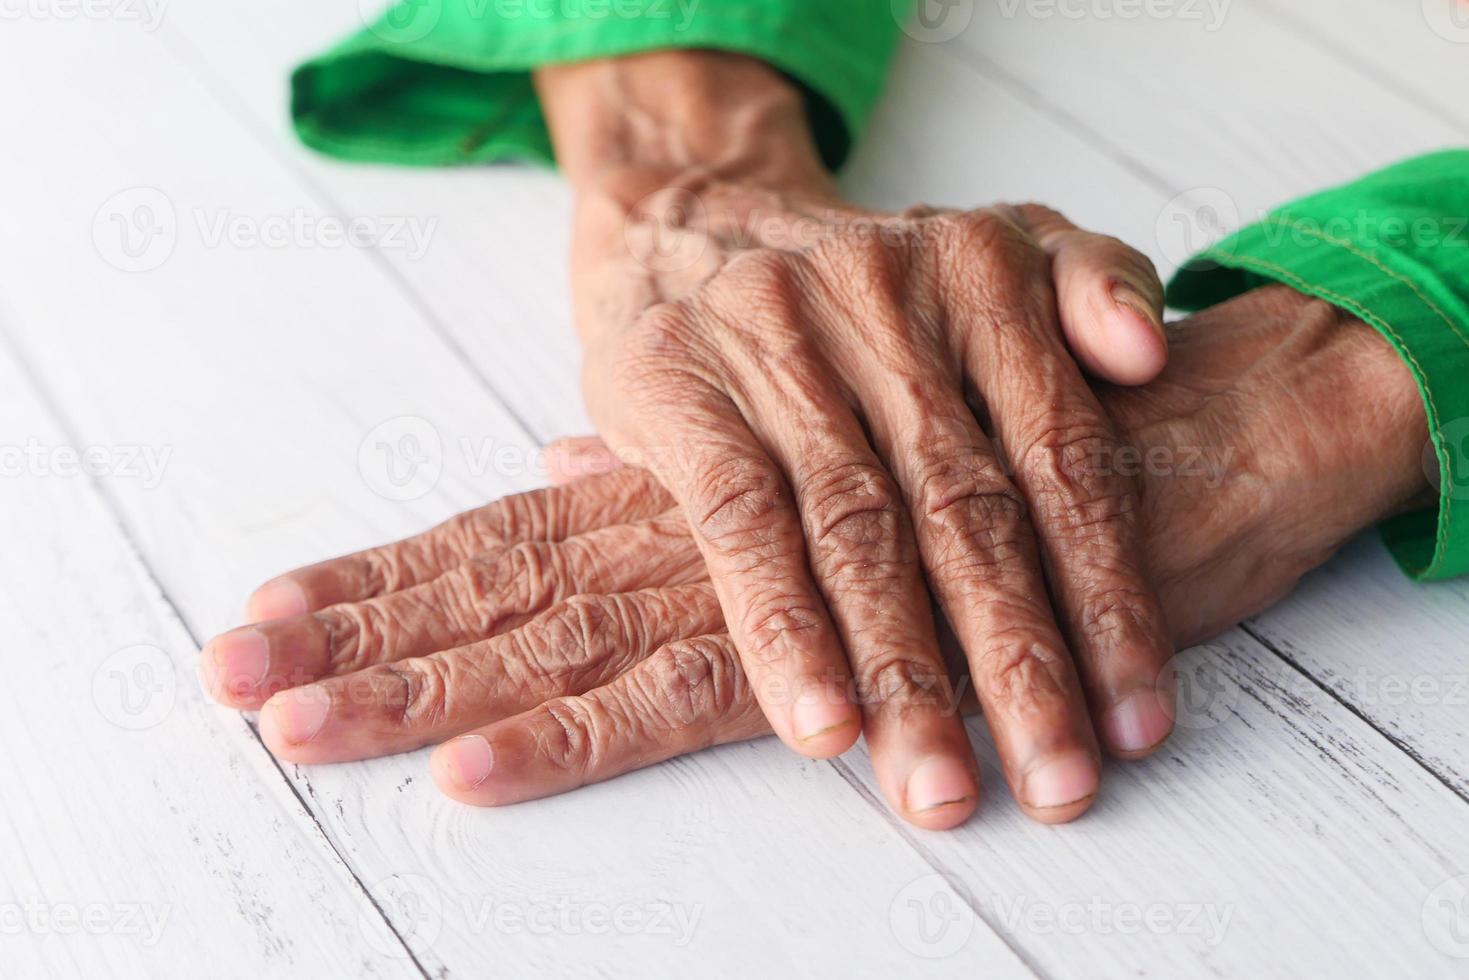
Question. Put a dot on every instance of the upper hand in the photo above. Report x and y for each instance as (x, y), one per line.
(810, 398)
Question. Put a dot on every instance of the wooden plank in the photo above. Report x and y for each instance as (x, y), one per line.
(1239, 106)
(1392, 649)
(143, 832)
(1212, 804)
(266, 368)
(1417, 50)
(1276, 835)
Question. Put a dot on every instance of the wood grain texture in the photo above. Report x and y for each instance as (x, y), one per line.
(143, 832)
(1284, 823)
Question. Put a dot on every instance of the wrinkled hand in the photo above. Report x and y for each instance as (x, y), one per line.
(572, 632)
(803, 377)
(805, 405)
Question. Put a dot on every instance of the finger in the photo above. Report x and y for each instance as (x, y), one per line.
(578, 456)
(1062, 450)
(578, 645)
(476, 599)
(542, 515)
(1109, 298)
(686, 697)
(749, 533)
(980, 555)
(861, 550)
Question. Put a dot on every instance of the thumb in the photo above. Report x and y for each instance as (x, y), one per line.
(1108, 295)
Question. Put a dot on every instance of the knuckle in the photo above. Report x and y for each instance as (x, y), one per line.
(388, 569)
(358, 634)
(971, 510)
(474, 599)
(518, 517)
(574, 736)
(692, 683)
(898, 680)
(1039, 215)
(1021, 672)
(1065, 470)
(738, 505)
(483, 594)
(772, 622)
(522, 578)
(595, 624)
(574, 636)
(422, 691)
(853, 505)
(1121, 613)
(514, 517)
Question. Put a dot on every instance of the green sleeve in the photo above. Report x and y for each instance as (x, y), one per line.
(437, 82)
(1392, 249)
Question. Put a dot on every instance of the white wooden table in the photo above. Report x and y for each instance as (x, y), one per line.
(190, 364)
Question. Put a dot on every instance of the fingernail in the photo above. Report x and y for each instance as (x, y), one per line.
(820, 710)
(1061, 781)
(235, 662)
(467, 759)
(1126, 296)
(1137, 723)
(299, 714)
(939, 782)
(277, 599)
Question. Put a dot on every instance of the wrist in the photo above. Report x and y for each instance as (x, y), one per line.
(644, 122)
(1362, 422)
(1281, 427)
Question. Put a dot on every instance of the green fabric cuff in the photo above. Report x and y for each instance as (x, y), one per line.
(442, 82)
(1393, 250)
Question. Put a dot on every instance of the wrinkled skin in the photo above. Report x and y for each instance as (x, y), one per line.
(570, 635)
(848, 363)
(804, 376)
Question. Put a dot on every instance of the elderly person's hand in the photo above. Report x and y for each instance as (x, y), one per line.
(580, 640)
(794, 371)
